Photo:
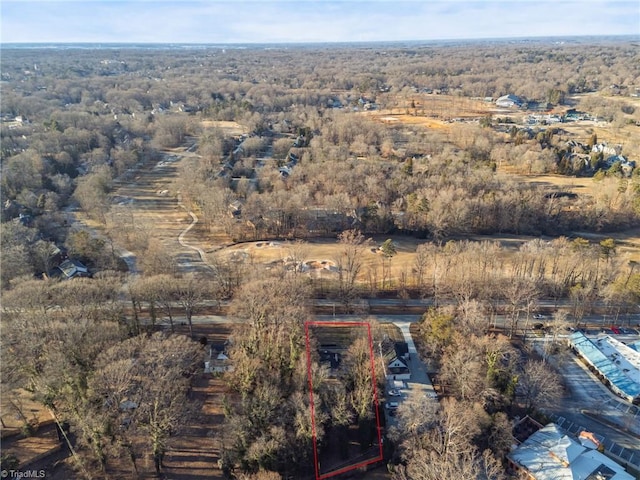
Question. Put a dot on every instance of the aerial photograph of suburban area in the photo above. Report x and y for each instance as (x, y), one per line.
(314, 239)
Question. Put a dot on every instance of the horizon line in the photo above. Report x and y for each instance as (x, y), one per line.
(330, 42)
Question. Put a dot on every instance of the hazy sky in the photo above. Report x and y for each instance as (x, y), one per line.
(265, 21)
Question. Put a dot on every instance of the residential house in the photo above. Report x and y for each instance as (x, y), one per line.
(285, 172)
(323, 220)
(25, 219)
(398, 369)
(70, 268)
(331, 358)
(626, 166)
(218, 360)
(577, 147)
(607, 149)
(550, 454)
(396, 358)
(402, 350)
(235, 208)
(509, 101)
(538, 106)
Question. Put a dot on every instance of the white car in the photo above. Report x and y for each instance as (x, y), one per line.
(392, 405)
(394, 392)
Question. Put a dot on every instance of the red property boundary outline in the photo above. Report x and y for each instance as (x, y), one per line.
(349, 468)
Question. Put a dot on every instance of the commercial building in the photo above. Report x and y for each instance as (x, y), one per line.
(616, 364)
(550, 454)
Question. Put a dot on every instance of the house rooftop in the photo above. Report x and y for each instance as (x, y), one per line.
(71, 268)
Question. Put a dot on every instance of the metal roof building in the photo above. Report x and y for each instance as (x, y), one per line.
(549, 454)
(616, 363)
(509, 100)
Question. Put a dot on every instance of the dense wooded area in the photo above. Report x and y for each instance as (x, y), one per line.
(313, 154)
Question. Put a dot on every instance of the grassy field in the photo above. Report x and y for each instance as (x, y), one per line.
(321, 254)
(579, 185)
(233, 129)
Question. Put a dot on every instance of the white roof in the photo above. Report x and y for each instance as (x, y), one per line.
(549, 454)
(628, 357)
(613, 360)
(510, 98)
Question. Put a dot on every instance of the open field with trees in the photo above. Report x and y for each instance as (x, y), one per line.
(144, 186)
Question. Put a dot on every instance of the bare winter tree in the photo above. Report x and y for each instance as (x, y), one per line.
(267, 426)
(190, 292)
(442, 448)
(349, 263)
(538, 385)
(140, 389)
(297, 255)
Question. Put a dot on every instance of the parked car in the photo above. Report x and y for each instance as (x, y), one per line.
(615, 330)
(392, 405)
(538, 316)
(394, 392)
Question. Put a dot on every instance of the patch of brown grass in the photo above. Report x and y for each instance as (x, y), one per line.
(327, 250)
(229, 128)
(579, 185)
(390, 118)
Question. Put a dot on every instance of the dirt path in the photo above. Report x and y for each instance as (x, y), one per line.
(181, 237)
(195, 453)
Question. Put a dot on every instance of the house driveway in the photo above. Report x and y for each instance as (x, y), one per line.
(419, 386)
(419, 382)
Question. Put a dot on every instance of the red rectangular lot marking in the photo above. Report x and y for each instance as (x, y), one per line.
(348, 468)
